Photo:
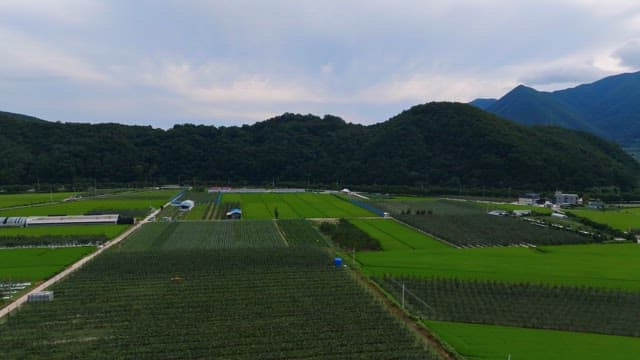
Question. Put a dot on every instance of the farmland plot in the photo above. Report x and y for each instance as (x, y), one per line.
(205, 235)
(611, 312)
(488, 342)
(270, 303)
(294, 205)
(300, 232)
(67, 235)
(130, 204)
(467, 224)
(395, 236)
(37, 264)
(612, 266)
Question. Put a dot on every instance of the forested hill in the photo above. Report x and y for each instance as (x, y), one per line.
(437, 144)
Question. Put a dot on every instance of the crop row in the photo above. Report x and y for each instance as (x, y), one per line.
(524, 305)
(466, 224)
(273, 303)
(205, 235)
(300, 232)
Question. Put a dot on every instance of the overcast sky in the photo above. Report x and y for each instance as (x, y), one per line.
(233, 62)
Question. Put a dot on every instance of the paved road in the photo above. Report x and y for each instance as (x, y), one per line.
(77, 265)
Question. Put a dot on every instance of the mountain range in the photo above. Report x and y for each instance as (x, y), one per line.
(434, 145)
(609, 107)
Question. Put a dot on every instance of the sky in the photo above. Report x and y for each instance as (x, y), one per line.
(162, 62)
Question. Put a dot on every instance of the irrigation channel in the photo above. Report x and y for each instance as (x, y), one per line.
(75, 266)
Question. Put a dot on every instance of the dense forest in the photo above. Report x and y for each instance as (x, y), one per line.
(436, 144)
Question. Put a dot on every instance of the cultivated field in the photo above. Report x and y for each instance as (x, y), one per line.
(300, 232)
(59, 235)
(274, 302)
(294, 205)
(38, 263)
(12, 200)
(611, 312)
(622, 219)
(468, 224)
(204, 235)
(488, 342)
(131, 204)
(615, 266)
(396, 236)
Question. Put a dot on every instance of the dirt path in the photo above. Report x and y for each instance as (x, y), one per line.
(434, 343)
(75, 266)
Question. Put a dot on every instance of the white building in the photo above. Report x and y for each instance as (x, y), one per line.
(566, 199)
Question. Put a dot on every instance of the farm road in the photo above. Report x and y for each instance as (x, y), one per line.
(75, 266)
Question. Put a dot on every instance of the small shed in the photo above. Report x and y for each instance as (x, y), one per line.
(235, 213)
(40, 296)
(187, 205)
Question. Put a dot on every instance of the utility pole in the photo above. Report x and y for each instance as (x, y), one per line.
(403, 294)
(354, 256)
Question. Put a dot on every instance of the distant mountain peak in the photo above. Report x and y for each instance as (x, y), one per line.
(609, 107)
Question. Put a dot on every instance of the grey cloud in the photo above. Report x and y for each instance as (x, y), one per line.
(629, 54)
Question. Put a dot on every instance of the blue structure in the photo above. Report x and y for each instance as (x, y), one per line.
(234, 214)
(337, 262)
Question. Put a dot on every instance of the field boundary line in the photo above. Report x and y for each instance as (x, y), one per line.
(275, 223)
(428, 234)
(75, 266)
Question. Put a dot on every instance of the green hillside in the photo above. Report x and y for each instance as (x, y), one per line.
(437, 144)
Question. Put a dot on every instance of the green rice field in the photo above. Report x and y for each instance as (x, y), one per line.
(135, 204)
(38, 263)
(393, 235)
(110, 231)
(490, 342)
(609, 266)
(11, 200)
(294, 205)
(622, 219)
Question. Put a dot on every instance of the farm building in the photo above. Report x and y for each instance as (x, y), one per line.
(566, 199)
(187, 205)
(528, 199)
(234, 214)
(40, 296)
(13, 221)
(72, 220)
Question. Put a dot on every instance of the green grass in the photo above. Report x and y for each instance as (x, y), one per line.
(294, 206)
(489, 342)
(609, 266)
(110, 231)
(38, 263)
(131, 203)
(30, 199)
(623, 219)
(393, 235)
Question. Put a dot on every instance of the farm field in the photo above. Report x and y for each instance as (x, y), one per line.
(614, 266)
(131, 204)
(489, 342)
(204, 235)
(268, 303)
(294, 205)
(300, 232)
(622, 219)
(594, 310)
(37, 264)
(59, 235)
(11, 200)
(396, 236)
(110, 231)
(468, 224)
